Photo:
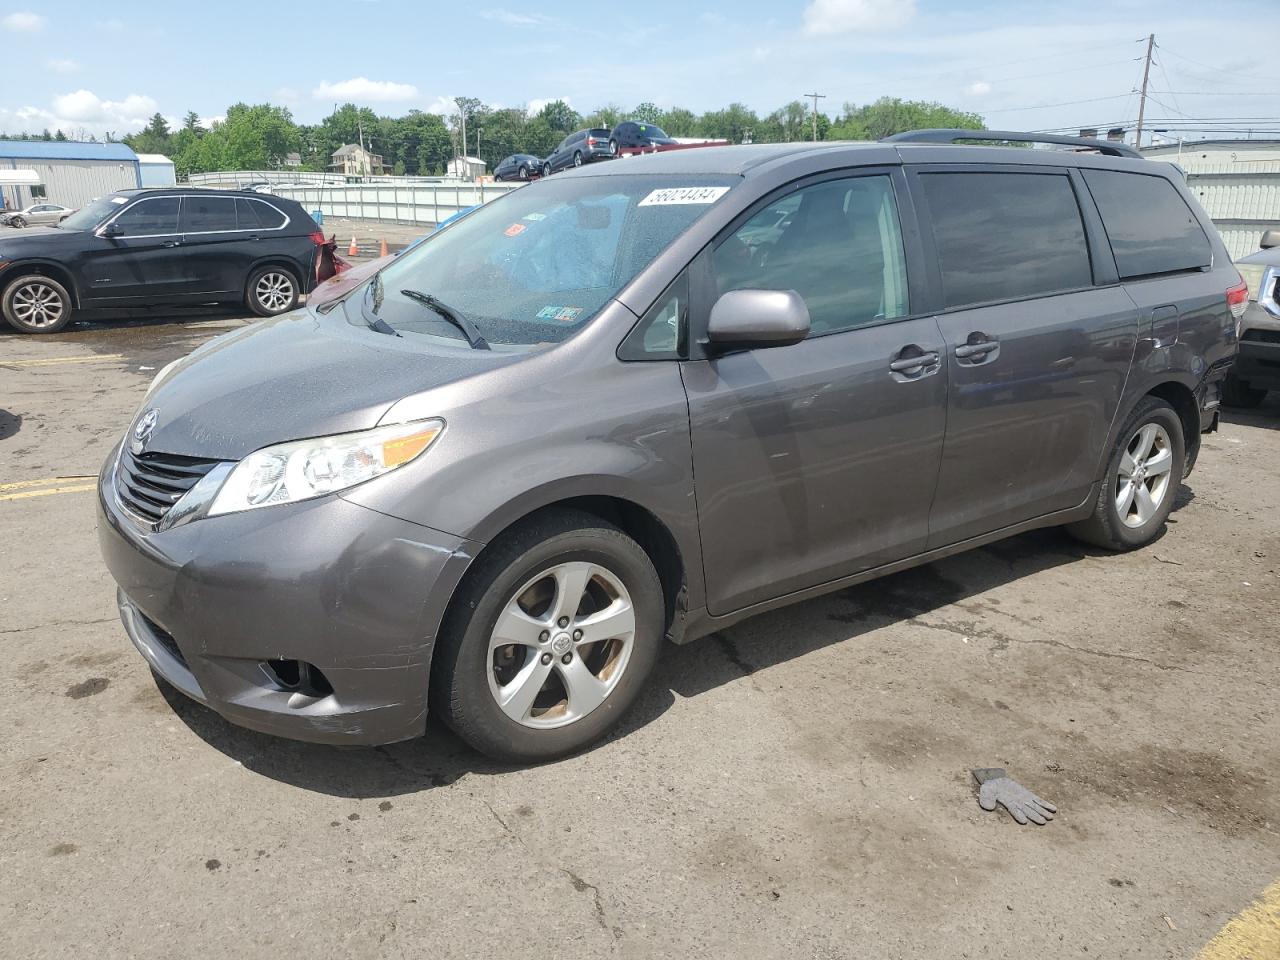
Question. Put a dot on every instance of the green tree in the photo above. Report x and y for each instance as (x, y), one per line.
(153, 138)
(890, 115)
(191, 121)
(731, 123)
(647, 113)
(678, 122)
(560, 117)
(610, 115)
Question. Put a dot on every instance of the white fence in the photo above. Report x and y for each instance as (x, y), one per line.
(416, 200)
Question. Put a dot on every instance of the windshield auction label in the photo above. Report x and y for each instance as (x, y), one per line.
(672, 196)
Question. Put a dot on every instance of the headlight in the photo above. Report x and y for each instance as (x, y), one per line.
(289, 472)
(1252, 275)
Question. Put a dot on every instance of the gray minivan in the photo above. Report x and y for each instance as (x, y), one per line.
(646, 400)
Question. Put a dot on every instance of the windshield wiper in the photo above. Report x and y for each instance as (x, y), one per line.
(468, 328)
(371, 318)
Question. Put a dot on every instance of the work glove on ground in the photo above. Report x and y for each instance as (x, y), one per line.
(997, 789)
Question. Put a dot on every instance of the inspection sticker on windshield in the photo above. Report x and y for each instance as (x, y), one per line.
(119, 199)
(560, 314)
(671, 196)
(514, 230)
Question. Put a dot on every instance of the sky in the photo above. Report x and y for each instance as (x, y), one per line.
(1022, 65)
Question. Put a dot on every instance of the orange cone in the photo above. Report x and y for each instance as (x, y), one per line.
(353, 250)
(382, 249)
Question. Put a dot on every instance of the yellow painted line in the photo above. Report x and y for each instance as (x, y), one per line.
(23, 484)
(51, 361)
(1254, 933)
(79, 488)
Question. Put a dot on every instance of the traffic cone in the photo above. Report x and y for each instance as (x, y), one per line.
(382, 248)
(353, 250)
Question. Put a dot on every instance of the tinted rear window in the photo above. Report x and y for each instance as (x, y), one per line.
(1150, 226)
(256, 215)
(1006, 236)
(204, 214)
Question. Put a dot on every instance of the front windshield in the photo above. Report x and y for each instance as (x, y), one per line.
(649, 130)
(90, 215)
(537, 265)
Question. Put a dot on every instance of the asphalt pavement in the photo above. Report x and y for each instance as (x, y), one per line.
(797, 786)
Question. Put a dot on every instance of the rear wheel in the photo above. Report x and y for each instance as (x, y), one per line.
(1237, 393)
(546, 169)
(577, 158)
(549, 640)
(271, 290)
(613, 148)
(36, 304)
(1142, 478)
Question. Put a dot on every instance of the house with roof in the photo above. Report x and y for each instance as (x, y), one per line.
(353, 160)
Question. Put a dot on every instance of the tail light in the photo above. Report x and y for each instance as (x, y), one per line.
(1238, 301)
(317, 237)
(591, 141)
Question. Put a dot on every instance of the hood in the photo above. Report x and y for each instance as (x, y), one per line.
(35, 239)
(296, 376)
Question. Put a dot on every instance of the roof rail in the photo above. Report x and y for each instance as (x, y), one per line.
(1110, 147)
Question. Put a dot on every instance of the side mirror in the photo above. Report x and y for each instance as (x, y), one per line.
(1270, 239)
(758, 318)
(111, 230)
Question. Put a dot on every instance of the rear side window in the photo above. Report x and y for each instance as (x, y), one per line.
(256, 215)
(157, 215)
(1150, 226)
(1006, 236)
(207, 214)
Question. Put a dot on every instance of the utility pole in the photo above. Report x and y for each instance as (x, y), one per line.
(815, 97)
(364, 158)
(1142, 98)
(462, 117)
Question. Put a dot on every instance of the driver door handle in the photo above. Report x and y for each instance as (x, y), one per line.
(172, 243)
(908, 364)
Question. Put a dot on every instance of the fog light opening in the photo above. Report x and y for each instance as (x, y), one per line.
(298, 676)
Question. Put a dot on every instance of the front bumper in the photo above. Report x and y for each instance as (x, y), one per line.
(354, 593)
(1258, 363)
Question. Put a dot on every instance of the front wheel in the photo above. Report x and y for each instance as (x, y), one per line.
(1142, 478)
(271, 290)
(546, 169)
(18, 222)
(549, 640)
(36, 304)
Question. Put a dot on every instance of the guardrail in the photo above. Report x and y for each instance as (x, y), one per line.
(426, 204)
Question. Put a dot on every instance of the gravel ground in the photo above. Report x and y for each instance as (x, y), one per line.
(796, 786)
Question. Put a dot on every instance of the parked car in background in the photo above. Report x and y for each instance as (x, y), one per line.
(1257, 368)
(36, 215)
(633, 133)
(577, 149)
(518, 166)
(608, 408)
(169, 246)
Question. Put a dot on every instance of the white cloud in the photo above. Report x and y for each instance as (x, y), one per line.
(62, 66)
(208, 123)
(848, 16)
(23, 22)
(978, 88)
(287, 94)
(513, 19)
(364, 90)
(442, 106)
(82, 113)
(535, 105)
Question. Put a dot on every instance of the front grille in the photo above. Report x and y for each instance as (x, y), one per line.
(1262, 336)
(150, 483)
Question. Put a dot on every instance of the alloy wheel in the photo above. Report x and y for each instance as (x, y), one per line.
(37, 305)
(274, 291)
(561, 644)
(1144, 478)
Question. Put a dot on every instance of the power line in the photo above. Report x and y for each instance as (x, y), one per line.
(1065, 103)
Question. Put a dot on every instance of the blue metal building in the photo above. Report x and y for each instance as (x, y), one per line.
(70, 173)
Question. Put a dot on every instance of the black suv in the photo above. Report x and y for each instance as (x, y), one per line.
(577, 149)
(161, 247)
(634, 134)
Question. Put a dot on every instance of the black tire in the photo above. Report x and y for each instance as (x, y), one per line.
(1106, 528)
(18, 295)
(18, 222)
(1237, 393)
(577, 158)
(266, 293)
(546, 169)
(460, 692)
(613, 147)
(524, 172)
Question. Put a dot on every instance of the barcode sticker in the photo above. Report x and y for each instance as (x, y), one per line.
(671, 196)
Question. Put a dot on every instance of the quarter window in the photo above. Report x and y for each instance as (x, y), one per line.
(1150, 226)
(157, 215)
(838, 244)
(207, 214)
(1006, 236)
(256, 215)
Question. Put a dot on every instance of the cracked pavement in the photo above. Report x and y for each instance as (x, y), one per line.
(796, 786)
